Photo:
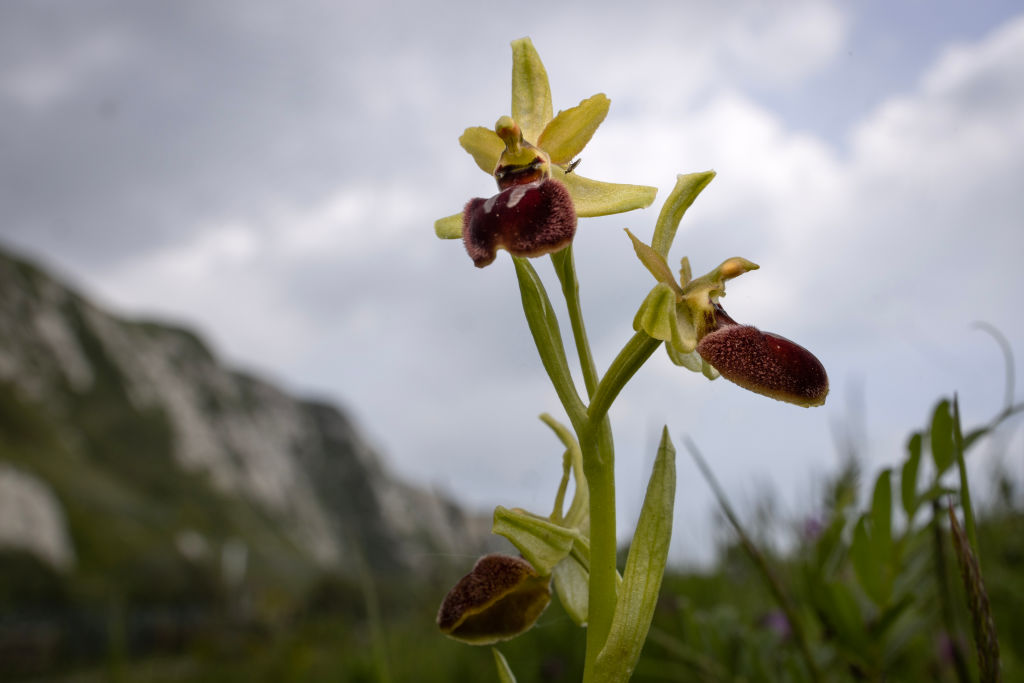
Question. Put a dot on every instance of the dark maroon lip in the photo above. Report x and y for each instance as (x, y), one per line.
(765, 363)
(527, 219)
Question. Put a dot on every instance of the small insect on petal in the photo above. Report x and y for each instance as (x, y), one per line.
(766, 364)
(530, 219)
(501, 598)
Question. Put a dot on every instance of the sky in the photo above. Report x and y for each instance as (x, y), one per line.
(269, 174)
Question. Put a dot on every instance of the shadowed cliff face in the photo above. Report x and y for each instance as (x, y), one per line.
(148, 411)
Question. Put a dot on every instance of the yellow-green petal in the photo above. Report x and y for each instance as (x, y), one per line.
(657, 314)
(654, 263)
(484, 145)
(569, 132)
(449, 227)
(531, 94)
(596, 198)
(687, 188)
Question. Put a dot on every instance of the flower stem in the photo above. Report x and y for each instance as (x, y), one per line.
(540, 316)
(565, 268)
(630, 359)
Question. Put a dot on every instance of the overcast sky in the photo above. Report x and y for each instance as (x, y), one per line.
(269, 173)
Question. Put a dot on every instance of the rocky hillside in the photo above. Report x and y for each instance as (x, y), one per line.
(127, 446)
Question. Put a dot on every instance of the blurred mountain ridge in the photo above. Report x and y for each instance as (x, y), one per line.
(127, 446)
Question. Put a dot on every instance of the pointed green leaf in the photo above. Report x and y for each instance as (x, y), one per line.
(596, 198)
(645, 568)
(866, 565)
(908, 477)
(449, 227)
(942, 438)
(505, 674)
(541, 542)
(881, 517)
(570, 131)
(687, 188)
(654, 262)
(531, 93)
(485, 147)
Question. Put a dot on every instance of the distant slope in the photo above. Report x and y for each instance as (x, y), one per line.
(160, 458)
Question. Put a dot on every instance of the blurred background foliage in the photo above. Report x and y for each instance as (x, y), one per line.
(869, 587)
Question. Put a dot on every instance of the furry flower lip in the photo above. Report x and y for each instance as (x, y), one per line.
(499, 599)
(763, 362)
(530, 219)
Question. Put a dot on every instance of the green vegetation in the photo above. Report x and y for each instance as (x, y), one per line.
(872, 586)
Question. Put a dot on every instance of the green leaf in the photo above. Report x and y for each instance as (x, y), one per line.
(569, 132)
(645, 568)
(866, 565)
(484, 145)
(942, 438)
(531, 92)
(687, 188)
(842, 613)
(505, 674)
(596, 198)
(908, 477)
(541, 542)
(449, 227)
(881, 517)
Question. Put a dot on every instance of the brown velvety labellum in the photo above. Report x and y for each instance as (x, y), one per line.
(766, 364)
(530, 219)
(498, 600)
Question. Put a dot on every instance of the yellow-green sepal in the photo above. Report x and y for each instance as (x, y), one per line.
(661, 317)
(484, 145)
(541, 542)
(572, 586)
(568, 133)
(597, 198)
(449, 227)
(688, 186)
(531, 92)
(691, 361)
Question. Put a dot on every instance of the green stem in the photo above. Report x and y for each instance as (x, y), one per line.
(630, 359)
(540, 316)
(599, 468)
(565, 267)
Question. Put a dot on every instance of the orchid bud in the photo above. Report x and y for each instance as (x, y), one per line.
(530, 219)
(763, 362)
(501, 598)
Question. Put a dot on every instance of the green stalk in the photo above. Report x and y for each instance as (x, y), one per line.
(540, 316)
(599, 468)
(630, 359)
(565, 267)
